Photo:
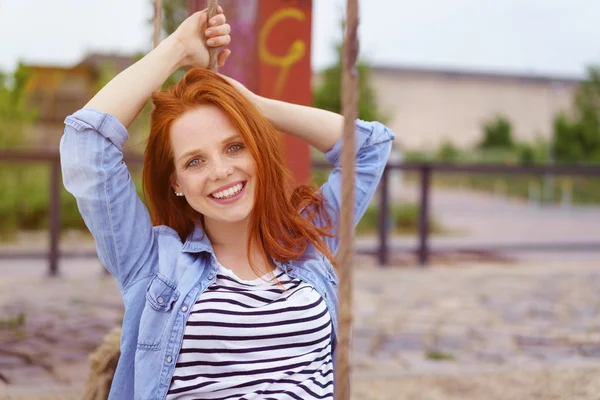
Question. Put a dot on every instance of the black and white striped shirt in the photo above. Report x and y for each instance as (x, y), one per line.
(255, 340)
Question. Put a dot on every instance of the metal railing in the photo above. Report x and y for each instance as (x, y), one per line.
(382, 249)
(426, 169)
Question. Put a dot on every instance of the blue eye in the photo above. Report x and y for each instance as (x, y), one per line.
(235, 148)
(193, 163)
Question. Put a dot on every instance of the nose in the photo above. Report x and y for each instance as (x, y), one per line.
(221, 168)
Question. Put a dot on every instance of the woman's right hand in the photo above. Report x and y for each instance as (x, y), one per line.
(196, 35)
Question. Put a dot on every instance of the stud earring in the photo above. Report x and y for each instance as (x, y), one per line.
(178, 194)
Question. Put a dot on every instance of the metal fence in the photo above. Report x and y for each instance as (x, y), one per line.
(382, 249)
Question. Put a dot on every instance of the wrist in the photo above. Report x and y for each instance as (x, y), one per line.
(174, 51)
(266, 106)
(259, 102)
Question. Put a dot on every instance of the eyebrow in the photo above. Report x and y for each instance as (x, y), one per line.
(199, 152)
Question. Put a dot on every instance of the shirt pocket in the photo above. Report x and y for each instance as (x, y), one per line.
(161, 296)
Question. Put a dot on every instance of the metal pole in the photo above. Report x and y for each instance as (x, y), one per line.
(424, 215)
(384, 219)
(54, 217)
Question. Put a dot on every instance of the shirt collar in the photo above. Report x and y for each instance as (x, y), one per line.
(198, 242)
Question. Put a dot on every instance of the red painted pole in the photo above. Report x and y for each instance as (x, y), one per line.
(271, 42)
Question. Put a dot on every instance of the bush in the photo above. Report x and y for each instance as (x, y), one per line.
(448, 152)
(576, 139)
(25, 196)
(569, 140)
(497, 134)
(404, 219)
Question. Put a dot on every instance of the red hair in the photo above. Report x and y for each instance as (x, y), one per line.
(276, 224)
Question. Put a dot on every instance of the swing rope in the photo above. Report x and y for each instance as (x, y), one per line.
(212, 51)
(346, 229)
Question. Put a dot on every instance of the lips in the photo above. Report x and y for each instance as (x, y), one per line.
(225, 187)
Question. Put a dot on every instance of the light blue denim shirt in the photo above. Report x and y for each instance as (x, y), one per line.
(160, 277)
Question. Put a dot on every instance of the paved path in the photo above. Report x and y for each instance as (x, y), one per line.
(444, 332)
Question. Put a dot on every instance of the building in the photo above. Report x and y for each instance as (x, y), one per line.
(428, 106)
(425, 106)
(57, 91)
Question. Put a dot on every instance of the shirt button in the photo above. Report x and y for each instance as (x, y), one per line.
(160, 300)
(169, 359)
(211, 276)
(184, 309)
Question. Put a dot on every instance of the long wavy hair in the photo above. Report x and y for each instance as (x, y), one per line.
(276, 222)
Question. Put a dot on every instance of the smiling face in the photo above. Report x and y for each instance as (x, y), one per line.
(213, 168)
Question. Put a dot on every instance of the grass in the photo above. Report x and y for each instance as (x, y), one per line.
(24, 205)
(437, 355)
(581, 190)
(24, 201)
(403, 220)
(15, 322)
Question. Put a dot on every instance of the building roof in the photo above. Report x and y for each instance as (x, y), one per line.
(96, 60)
(456, 73)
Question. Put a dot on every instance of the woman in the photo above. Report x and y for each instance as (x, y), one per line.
(228, 283)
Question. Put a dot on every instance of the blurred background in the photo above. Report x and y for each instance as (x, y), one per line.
(478, 261)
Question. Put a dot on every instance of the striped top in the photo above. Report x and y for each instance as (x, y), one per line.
(255, 340)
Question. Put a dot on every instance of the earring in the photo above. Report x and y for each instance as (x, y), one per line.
(178, 194)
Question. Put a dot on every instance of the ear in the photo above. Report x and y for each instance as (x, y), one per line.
(174, 184)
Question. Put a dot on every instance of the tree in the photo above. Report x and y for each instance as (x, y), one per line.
(577, 138)
(497, 134)
(15, 113)
(328, 94)
(174, 13)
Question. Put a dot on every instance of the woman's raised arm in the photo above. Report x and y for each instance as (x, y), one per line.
(125, 95)
(91, 151)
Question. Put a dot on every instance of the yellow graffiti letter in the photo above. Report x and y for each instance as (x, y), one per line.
(295, 53)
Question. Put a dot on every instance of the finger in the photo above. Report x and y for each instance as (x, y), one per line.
(219, 41)
(223, 57)
(219, 10)
(202, 15)
(218, 19)
(220, 30)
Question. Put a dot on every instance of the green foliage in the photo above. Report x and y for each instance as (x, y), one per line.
(569, 140)
(106, 72)
(587, 102)
(577, 139)
(437, 355)
(15, 114)
(448, 152)
(404, 219)
(328, 96)
(24, 200)
(14, 322)
(525, 153)
(174, 13)
(497, 134)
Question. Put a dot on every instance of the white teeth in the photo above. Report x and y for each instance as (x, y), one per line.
(229, 192)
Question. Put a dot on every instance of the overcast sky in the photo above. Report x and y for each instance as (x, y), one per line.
(558, 37)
